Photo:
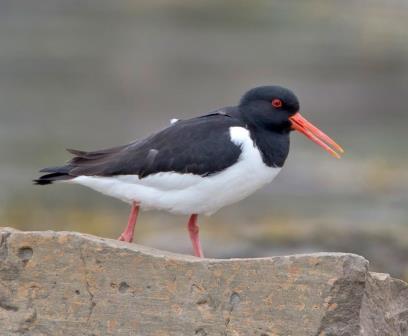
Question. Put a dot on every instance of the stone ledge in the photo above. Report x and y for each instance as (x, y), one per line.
(66, 283)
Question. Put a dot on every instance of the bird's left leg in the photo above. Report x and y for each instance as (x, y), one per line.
(127, 235)
(194, 229)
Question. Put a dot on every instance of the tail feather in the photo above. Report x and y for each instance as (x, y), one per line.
(52, 177)
(57, 169)
(83, 163)
(76, 152)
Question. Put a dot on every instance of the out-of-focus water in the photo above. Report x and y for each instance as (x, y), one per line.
(99, 73)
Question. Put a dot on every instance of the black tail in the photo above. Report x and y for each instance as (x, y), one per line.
(55, 174)
(83, 163)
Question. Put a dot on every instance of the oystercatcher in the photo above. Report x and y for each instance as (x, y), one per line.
(199, 165)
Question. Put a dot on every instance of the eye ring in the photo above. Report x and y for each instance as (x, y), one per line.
(277, 103)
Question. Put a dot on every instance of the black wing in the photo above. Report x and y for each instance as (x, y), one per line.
(201, 146)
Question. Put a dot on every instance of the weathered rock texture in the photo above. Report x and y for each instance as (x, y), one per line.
(63, 283)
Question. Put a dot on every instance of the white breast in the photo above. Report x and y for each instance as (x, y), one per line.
(187, 193)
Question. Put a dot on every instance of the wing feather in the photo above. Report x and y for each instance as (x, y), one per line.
(200, 146)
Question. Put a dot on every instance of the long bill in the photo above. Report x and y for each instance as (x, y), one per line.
(299, 123)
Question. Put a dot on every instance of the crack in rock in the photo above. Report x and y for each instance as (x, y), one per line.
(346, 298)
(87, 286)
(4, 236)
(233, 302)
(8, 306)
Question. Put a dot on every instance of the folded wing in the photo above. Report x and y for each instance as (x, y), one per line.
(200, 146)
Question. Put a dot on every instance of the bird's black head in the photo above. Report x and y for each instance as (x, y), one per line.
(276, 109)
(269, 107)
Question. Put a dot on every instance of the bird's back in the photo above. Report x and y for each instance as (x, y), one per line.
(199, 146)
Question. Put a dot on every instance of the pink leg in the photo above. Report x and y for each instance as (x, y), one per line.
(127, 235)
(193, 229)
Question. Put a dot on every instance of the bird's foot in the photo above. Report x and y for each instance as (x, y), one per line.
(126, 237)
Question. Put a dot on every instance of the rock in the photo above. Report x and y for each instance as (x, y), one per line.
(385, 306)
(64, 283)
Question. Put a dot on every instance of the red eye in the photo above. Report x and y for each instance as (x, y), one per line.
(277, 103)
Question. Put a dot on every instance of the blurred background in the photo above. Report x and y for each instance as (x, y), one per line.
(97, 73)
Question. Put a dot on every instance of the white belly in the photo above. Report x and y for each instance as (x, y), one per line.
(187, 193)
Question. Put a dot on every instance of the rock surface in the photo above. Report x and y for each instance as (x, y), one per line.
(64, 283)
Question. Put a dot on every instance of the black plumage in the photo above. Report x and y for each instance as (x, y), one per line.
(199, 146)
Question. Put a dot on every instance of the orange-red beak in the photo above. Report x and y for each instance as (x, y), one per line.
(301, 124)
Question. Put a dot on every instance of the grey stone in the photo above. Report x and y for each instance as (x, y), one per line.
(65, 283)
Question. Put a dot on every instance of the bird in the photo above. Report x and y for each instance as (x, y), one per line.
(197, 166)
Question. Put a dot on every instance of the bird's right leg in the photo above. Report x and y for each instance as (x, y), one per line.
(127, 235)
